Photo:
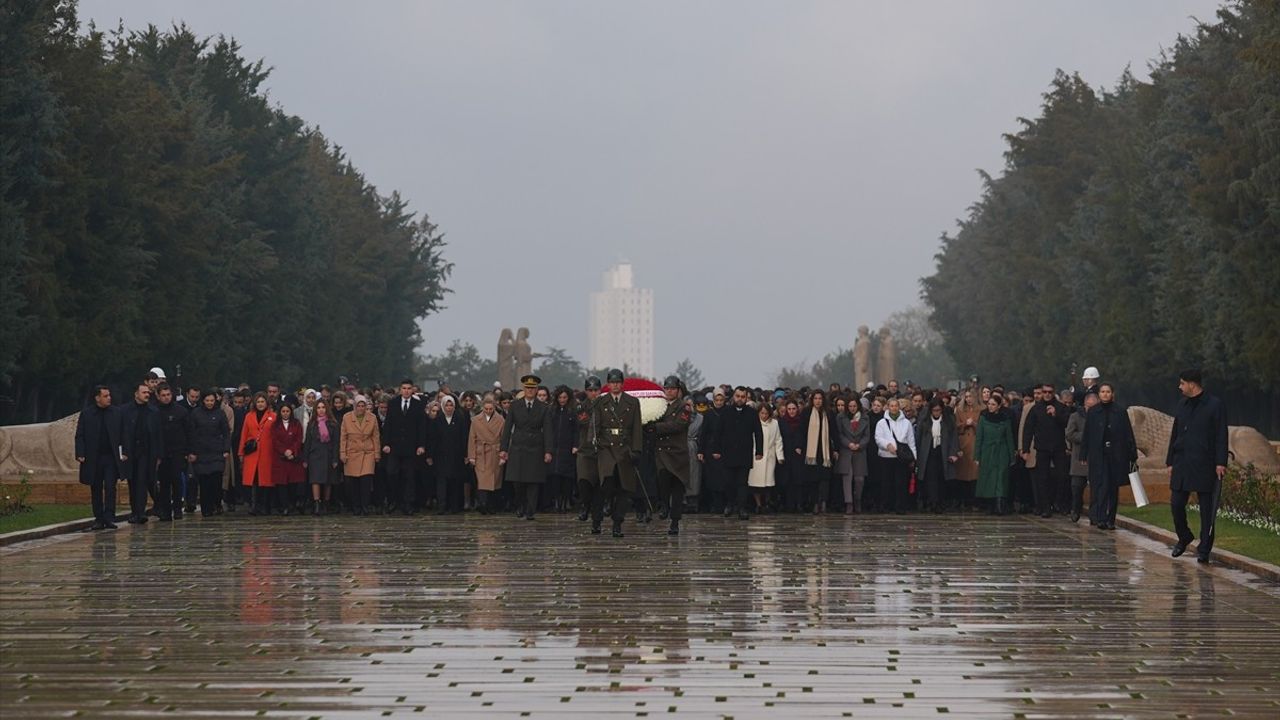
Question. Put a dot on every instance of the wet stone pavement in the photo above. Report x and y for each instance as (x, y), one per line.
(488, 617)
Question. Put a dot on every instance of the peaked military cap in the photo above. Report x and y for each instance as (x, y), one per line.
(531, 380)
(593, 383)
(615, 375)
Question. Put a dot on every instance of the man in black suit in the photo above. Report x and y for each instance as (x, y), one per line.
(1046, 426)
(173, 463)
(404, 440)
(1197, 461)
(143, 446)
(738, 437)
(98, 444)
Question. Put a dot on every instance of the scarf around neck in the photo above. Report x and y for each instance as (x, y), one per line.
(322, 427)
(817, 449)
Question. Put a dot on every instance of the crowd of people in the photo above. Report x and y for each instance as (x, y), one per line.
(730, 451)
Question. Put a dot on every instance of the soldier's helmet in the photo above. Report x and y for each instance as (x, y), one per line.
(593, 383)
(672, 382)
(615, 375)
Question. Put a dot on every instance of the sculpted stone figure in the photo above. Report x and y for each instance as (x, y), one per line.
(862, 358)
(507, 359)
(41, 448)
(886, 358)
(523, 354)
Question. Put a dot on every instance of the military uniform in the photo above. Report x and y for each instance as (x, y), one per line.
(619, 438)
(588, 473)
(671, 452)
(526, 438)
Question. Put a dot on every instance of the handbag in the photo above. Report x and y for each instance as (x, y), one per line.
(251, 446)
(904, 450)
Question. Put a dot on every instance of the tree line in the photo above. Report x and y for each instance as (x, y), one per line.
(157, 209)
(1136, 228)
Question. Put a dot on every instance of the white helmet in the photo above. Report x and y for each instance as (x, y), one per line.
(1090, 373)
(159, 373)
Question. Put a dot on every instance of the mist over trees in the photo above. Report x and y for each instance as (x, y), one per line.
(157, 209)
(1135, 228)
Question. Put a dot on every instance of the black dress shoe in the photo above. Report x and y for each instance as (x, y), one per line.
(528, 516)
(1178, 549)
(743, 515)
(582, 516)
(617, 531)
(108, 525)
(728, 512)
(1075, 517)
(1202, 559)
(177, 514)
(675, 528)
(135, 520)
(520, 514)
(166, 518)
(595, 529)
(95, 526)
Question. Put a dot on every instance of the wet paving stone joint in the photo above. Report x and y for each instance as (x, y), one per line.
(341, 617)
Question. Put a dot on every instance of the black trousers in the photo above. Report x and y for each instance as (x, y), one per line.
(1208, 513)
(716, 484)
(671, 491)
(1049, 473)
(526, 495)
(402, 479)
(210, 491)
(736, 480)
(610, 489)
(141, 476)
(448, 492)
(897, 477)
(359, 492)
(1078, 483)
(933, 480)
(169, 477)
(102, 489)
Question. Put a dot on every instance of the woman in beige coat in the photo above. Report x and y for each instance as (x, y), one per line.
(359, 454)
(483, 445)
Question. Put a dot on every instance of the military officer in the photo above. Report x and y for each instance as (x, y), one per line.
(619, 439)
(585, 451)
(526, 446)
(671, 450)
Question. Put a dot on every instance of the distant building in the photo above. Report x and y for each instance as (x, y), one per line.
(620, 324)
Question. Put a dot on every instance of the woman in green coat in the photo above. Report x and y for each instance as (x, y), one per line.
(994, 453)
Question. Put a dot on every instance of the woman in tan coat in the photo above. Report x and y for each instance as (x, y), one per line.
(359, 453)
(483, 445)
(967, 413)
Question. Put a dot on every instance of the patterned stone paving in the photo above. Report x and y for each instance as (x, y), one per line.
(493, 617)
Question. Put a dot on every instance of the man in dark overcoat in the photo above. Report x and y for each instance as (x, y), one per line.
(526, 446)
(98, 446)
(619, 440)
(1197, 461)
(738, 436)
(143, 444)
(671, 450)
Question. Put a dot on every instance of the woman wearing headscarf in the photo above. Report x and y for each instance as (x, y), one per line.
(821, 448)
(358, 454)
(255, 450)
(994, 453)
(483, 445)
(320, 456)
(447, 454)
(287, 470)
(1109, 451)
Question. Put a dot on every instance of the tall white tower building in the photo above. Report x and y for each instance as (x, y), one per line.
(620, 324)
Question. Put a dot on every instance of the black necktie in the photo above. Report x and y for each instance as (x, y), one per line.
(404, 406)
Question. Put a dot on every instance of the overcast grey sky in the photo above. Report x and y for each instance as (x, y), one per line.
(716, 145)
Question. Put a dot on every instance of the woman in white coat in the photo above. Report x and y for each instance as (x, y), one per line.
(761, 476)
(892, 432)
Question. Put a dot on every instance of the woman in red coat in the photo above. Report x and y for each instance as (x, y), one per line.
(255, 453)
(286, 468)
